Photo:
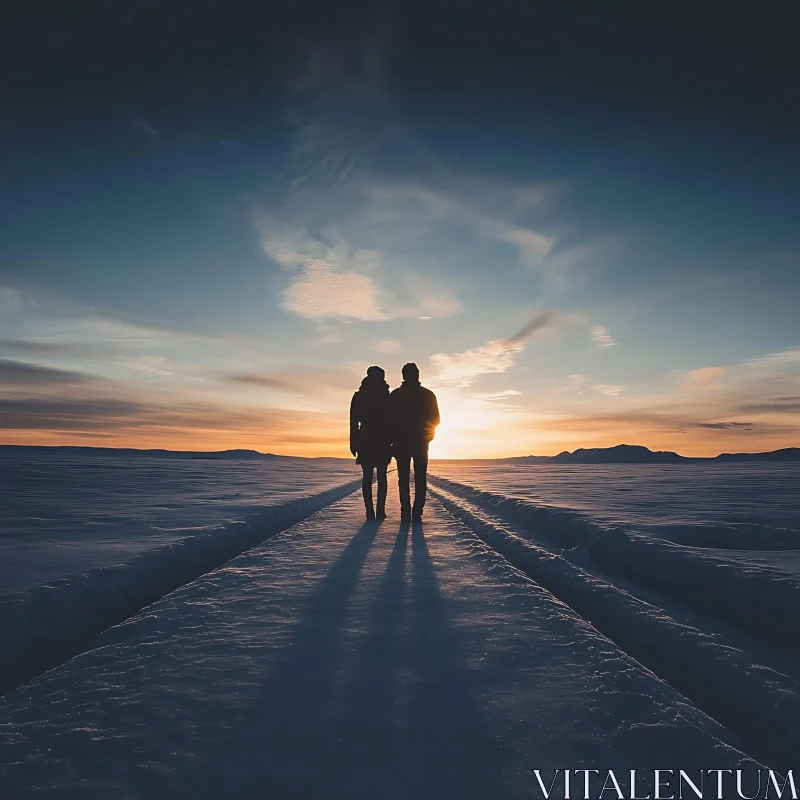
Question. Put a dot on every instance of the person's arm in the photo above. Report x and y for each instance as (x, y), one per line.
(432, 416)
(354, 421)
(435, 419)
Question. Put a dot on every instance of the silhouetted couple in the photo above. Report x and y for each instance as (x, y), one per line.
(399, 425)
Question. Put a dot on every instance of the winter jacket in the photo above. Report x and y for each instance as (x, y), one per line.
(414, 413)
(370, 431)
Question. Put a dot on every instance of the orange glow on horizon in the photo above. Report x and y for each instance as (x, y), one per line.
(458, 438)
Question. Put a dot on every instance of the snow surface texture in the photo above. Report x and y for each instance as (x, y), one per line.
(699, 498)
(708, 671)
(51, 622)
(64, 514)
(757, 589)
(343, 659)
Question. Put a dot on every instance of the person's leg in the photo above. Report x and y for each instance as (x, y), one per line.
(403, 475)
(366, 490)
(380, 511)
(420, 482)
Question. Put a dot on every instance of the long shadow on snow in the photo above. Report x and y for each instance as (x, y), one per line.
(309, 739)
(453, 748)
(290, 736)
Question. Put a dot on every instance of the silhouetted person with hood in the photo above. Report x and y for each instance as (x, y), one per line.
(415, 414)
(370, 436)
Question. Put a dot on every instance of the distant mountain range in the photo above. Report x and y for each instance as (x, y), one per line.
(224, 455)
(636, 454)
(621, 454)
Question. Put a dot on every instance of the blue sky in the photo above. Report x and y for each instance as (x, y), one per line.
(217, 268)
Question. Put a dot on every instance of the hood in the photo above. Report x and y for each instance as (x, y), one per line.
(371, 385)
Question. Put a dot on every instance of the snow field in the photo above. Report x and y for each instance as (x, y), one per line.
(343, 659)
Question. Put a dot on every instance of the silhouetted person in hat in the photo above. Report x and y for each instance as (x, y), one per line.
(415, 415)
(370, 436)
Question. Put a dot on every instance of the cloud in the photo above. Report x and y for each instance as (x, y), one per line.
(497, 395)
(22, 374)
(601, 337)
(386, 346)
(608, 388)
(422, 207)
(190, 425)
(778, 405)
(300, 379)
(156, 364)
(10, 299)
(654, 421)
(52, 325)
(497, 355)
(705, 376)
(533, 246)
(725, 426)
(32, 347)
(144, 126)
(42, 413)
(438, 304)
(578, 380)
(339, 112)
(332, 279)
(325, 284)
(322, 293)
(758, 399)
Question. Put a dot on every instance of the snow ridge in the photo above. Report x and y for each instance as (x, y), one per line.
(55, 621)
(704, 670)
(566, 527)
(756, 598)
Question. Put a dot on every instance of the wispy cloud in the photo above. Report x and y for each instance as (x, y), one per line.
(32, 347)
(607, 388)
(725, 426)
(386, 346)
(299, 379)
(601, 337)
(705, 376)
(754, 404)
(10, 298)
(143, 423)
(424, 207)
(20, 374)
(144, 126)
(497, 355)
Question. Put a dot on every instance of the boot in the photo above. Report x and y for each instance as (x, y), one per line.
(405, 514)
(369, 508)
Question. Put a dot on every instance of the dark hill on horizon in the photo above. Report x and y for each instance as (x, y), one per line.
(619, 454)
(251, 455)
(638, 454)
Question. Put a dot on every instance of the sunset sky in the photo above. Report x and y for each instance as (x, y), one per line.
(582, 227)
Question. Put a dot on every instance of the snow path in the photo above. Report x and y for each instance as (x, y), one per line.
(344, 659)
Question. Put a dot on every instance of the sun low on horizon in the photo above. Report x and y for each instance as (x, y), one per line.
(223, 277)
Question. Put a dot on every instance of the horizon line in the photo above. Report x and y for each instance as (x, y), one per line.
(347, 458)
